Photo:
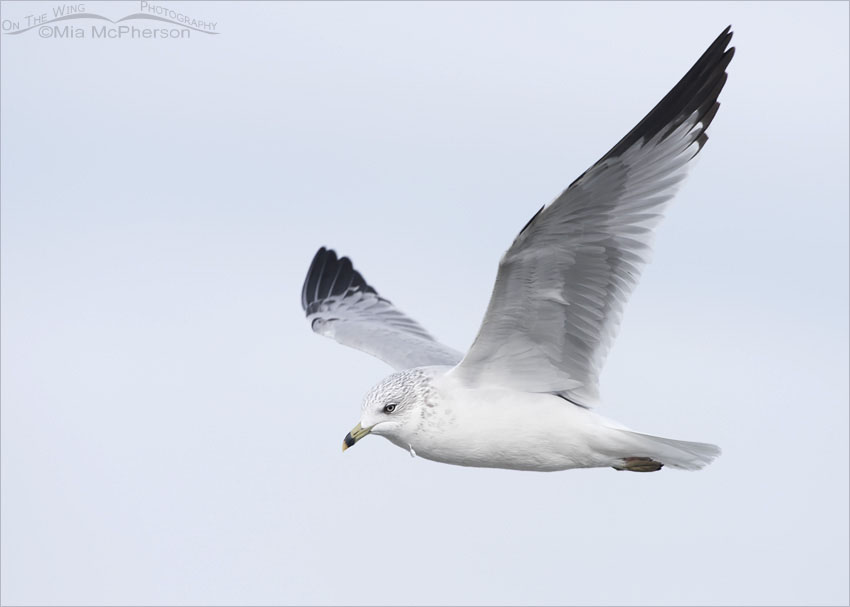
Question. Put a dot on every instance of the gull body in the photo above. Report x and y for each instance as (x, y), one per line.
(496, 427)
(522, 397)
(438, 417)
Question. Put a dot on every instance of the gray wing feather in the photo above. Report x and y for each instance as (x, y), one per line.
(341, 305)
(561, 286)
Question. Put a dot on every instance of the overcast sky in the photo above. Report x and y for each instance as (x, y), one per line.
(171, 427)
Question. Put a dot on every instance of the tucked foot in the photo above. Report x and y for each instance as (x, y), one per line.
(639, 464)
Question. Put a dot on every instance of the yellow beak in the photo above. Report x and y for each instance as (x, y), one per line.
(355, 435)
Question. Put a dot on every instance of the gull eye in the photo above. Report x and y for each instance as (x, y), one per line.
(389, 408)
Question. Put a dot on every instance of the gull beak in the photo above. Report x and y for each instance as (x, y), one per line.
(355, 435)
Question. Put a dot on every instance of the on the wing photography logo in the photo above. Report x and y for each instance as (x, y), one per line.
(76, 21)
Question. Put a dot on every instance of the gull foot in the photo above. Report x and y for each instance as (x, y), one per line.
(639, 464)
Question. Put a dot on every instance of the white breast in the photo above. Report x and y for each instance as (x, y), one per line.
(500, 428)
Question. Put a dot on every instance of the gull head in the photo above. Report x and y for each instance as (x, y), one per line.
(393, 408)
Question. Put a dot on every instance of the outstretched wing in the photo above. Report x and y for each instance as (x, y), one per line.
(341, 305)
(561, 287)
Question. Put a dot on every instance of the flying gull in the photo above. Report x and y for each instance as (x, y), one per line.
(522, 397)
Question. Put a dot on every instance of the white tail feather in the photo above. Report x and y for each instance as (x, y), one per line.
(680, 454)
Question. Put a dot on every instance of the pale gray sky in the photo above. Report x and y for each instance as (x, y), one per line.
(171, 427)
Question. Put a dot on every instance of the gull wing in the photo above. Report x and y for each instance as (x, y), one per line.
(561, 286)
(341, 305)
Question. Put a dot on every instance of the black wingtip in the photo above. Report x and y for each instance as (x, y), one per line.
(697, 91)
(330, 276)
(308, 291)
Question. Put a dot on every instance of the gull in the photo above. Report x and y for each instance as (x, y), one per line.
(523, 395)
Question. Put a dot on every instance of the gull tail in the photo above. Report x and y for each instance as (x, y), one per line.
(648, 453)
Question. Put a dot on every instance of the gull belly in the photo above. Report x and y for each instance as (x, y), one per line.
(495, 427)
